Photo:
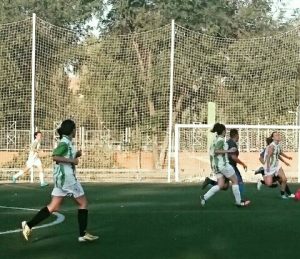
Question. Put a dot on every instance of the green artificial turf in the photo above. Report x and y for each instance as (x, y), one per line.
(155, 221)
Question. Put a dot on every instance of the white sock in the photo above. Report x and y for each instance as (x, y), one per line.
(17, 175)
(236, 193)
(41, 174)
(212, 191)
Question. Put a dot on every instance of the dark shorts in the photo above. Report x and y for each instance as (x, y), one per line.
(238, 174)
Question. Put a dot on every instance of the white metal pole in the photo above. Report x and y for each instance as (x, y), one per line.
(176, 152)
(171, 96)
(32, 126)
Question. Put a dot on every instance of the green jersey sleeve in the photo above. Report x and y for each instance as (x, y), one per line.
(220, 144)
(61, 149)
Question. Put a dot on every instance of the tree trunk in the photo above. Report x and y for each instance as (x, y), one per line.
(164, 148)
(145, 66)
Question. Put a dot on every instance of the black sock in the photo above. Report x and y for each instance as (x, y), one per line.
(212, 182)
(82, 221)
(39, 217)
(281, 192)
(287, 190)
(274, 185)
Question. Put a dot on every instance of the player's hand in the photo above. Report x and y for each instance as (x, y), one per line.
(78, 153)
(75, 161)
(232, 150)
(245, 167)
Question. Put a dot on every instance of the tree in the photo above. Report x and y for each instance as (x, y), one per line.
(71, 14)
(199, 61)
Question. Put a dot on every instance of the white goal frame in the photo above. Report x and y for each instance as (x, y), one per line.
(229, 126)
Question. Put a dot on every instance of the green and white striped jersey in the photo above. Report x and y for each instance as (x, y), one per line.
(220, 160)
(34, 148)
(274, 159)
(64, 173)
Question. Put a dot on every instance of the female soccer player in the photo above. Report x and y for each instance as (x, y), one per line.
(220, 152)
(33, 160)
(65, 184)
(272, 154)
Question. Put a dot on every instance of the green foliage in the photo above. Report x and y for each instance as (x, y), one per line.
(64, 13)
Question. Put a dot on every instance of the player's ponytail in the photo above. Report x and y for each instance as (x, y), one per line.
(269, 140)
(218, 128)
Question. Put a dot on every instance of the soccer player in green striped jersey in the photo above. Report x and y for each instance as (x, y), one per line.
(272, 155)
(66, 184)
(219, 152)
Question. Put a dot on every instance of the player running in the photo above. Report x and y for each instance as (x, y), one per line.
(65, 184)
(219, 152)
(275, 178)
(272, 168)
(33, 160)
(233, 161)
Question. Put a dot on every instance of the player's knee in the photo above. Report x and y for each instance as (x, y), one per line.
(268, 182)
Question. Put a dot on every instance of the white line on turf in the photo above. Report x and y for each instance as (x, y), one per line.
(59, 219)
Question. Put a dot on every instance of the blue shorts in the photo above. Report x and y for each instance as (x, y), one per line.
(238, 174)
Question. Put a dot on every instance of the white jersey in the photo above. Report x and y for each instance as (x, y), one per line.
(34, 148)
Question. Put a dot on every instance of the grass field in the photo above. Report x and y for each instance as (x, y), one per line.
(155, 221)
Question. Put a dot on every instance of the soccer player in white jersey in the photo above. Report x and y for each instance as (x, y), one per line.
(219, 152)
(65, 184)
(33, 160)
(272, 167)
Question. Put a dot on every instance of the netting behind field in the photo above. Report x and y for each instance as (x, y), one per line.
(117, 90)
(253, 81)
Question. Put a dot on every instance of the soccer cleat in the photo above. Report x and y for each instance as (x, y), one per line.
(203, 201)
(205, 183)
(259, 184)
(44, 184)
(14, 180)
(87, 238)
(26, 231)
(284, 197)
(260, 170)
(243, 204)
(291, 195)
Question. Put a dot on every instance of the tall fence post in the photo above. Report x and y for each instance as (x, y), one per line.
(171, 96)
(32, 125)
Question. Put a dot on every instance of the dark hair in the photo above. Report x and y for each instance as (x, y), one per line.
(269, 140)
(66, 128)
(36, 133)
(219, 128)
(233, 133)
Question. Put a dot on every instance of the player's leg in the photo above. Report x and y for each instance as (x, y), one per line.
(213, 190)
(231, 175)
(21, 172)
(39, 165)
(44, 213)
(283, 182)
(208, 181)
(82, 215)
(240, 182)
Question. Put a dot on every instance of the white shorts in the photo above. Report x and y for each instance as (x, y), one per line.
(226, 171)
(273, 170)
(75, 191)
(33, 162)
